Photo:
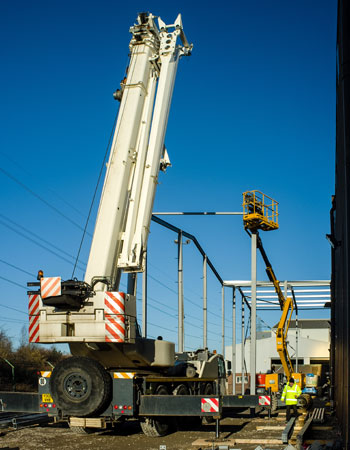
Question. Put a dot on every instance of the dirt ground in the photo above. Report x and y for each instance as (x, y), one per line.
(130, 436)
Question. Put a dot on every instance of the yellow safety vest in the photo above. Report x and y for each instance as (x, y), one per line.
(291, 394)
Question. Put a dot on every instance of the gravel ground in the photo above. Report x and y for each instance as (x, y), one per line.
(130, 436)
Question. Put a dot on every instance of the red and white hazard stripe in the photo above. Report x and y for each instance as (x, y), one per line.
(50, 287)
(115, 316)
(264, 400)
(209, 404)
(34, 311)
(124, 375)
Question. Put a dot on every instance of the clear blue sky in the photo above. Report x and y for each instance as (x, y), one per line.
(253, 108)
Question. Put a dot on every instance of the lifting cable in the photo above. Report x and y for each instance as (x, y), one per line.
(95, 193)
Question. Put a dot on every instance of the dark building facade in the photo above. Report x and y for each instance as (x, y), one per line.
(340, 231)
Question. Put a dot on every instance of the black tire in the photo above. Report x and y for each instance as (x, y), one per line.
(191, 372)
(181, 389)
(80, 387)
(274, 402)
(208, 390)
(156, 427)
(182, 422)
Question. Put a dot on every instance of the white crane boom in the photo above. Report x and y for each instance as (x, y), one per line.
(93, 311)
(124, 215)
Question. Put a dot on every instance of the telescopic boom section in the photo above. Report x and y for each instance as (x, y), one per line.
(137, 153)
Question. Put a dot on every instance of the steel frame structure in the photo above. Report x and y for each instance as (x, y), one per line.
(314, 294)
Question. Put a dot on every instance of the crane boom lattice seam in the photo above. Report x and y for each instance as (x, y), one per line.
(260, 212)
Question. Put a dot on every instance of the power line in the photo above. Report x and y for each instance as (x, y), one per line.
(14, 309)
(171, 279)
(17, 268)
(47, 188)
(186, 298)
(37, 243)
(95, 193)
(34, 194)
(39, 237)
(163, 328)
(9, 319)
(12, 282)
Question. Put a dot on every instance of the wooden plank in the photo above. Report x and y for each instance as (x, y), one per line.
(302, 432)
(270, 427)
(321, 428)
(201, 442)
(259, 441)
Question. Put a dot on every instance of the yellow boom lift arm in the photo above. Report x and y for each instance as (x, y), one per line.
(287, 308)
(261, 212)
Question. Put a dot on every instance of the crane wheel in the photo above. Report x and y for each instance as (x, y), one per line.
(181, 389)
(80, 386)
(157, 426)
(274, 402)
(208, 390)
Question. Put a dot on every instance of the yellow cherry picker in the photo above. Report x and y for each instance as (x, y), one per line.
(260, 212)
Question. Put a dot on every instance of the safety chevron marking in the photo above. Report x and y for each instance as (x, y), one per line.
(34, 310)
(264, 400)
(128, 375)
(50, 287)
(114, 316)
(209, 404)
(46, 374)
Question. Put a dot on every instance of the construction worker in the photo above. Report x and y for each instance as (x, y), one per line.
(290, 394)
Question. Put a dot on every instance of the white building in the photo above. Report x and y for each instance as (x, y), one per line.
(310, 342)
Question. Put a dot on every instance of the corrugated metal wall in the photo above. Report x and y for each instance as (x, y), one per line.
(340, 230)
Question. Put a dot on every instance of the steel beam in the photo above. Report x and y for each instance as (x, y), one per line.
(205, 312)
(180, 295)
(253, 315)
(233, 353)
(242, 346)
(223, 319)
(144, 300)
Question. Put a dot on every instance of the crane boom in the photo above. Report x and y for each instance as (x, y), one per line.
(123, 221)
(93, 316)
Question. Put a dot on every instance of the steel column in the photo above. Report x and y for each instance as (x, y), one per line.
(180, 295)
(144, 300)
(205, 344)
(296, 342)
(233, 353)
(223, 319)
(132, 283)
(242, 349)
(253, 316)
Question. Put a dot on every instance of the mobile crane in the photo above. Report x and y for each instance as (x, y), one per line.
(115, 373)
(261, 212)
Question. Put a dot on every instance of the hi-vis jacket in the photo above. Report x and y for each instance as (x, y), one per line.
(291, 394)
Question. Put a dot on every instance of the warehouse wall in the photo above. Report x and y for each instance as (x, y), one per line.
(340, 229)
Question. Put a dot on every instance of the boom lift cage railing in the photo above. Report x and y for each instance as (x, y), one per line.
(260, 211)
